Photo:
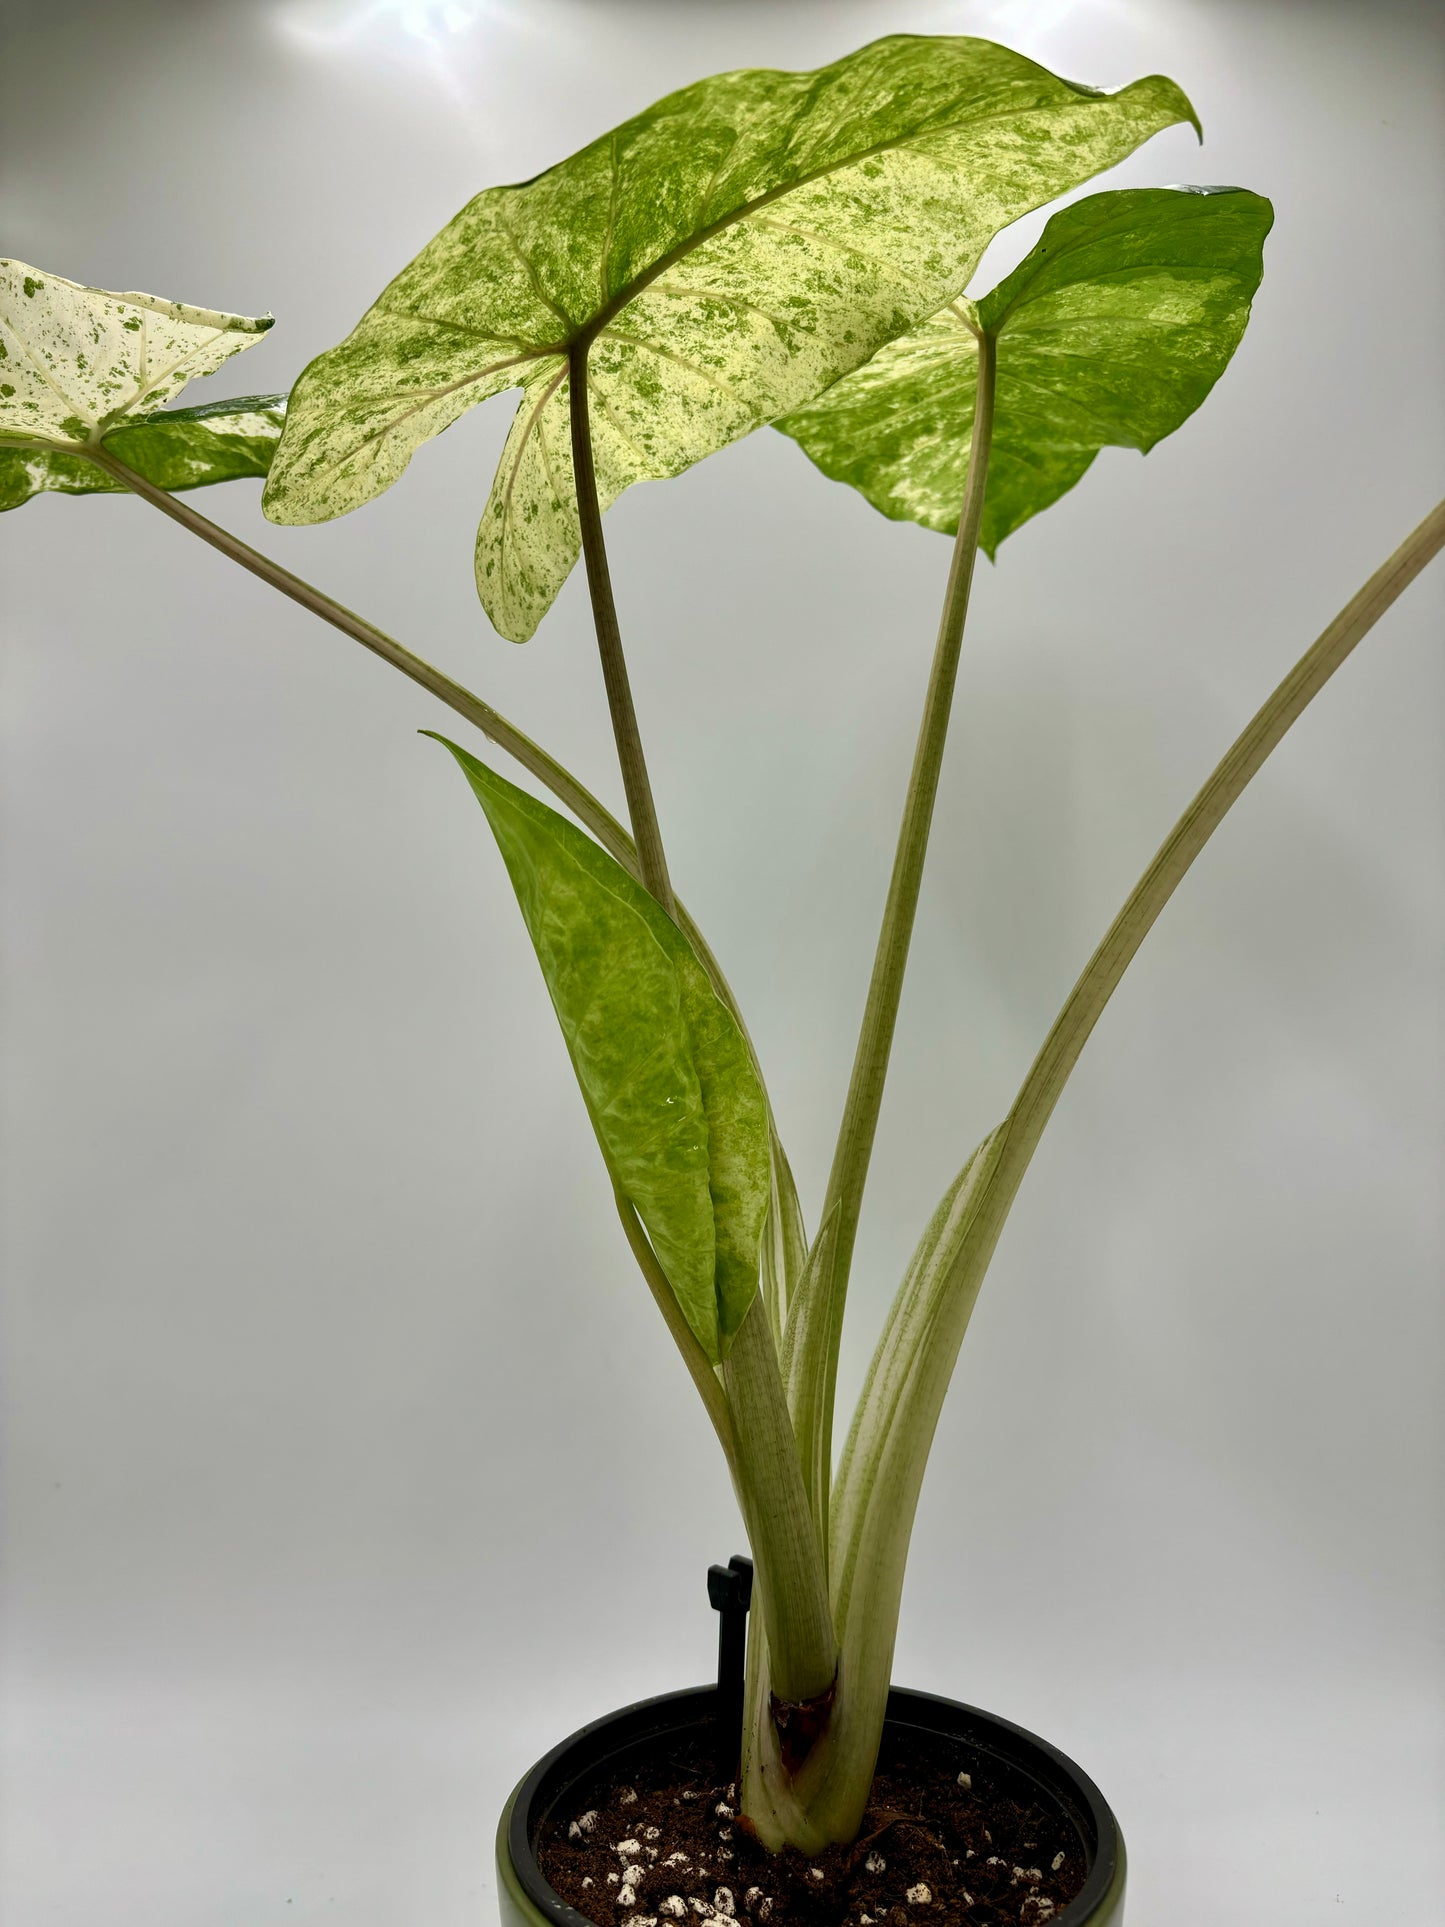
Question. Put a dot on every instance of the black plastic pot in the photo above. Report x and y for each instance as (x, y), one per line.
(527, 1901)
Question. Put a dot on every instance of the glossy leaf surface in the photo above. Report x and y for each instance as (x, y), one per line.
(1111, 332)
(176, 448)
(75, 360)
(720, 258)
(663, 1067)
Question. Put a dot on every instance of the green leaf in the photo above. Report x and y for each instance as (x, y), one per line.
(74, 361)
(175, 448)
(665, 1073)
(1111, 332)
(717, 260)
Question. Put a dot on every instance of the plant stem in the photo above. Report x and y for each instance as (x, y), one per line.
(790, 1570)
(1059, 1053)
(493, 725)
(703, 1376)
(815, 1354)
(640, 806)
(883, 1466)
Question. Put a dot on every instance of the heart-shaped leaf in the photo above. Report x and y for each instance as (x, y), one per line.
(712, 263)
(665, 1073)
(75, 361)
(1111, 332)
(220, 441)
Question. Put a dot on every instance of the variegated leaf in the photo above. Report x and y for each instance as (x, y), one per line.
(175, 448)
(75, 361)
(1111, 332)
(717, 260)
(664, 1070)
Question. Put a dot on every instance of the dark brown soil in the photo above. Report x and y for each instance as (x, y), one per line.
(665, 1850)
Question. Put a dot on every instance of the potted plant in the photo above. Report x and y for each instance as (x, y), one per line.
(762, 248)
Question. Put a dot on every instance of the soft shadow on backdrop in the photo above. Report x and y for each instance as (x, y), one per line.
(347, 1462)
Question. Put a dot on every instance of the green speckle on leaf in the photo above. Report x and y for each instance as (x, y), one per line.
(31, 287)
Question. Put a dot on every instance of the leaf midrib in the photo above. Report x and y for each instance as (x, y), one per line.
(589, 330)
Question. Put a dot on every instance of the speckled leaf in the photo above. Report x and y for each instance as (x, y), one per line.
(221, 441)
(76, 361)
(1111, 332)
(663, 1067)
(721, 258)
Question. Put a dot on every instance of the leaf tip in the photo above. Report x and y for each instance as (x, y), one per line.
(446, 743)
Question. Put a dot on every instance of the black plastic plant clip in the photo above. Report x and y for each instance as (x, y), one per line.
(730, 1592)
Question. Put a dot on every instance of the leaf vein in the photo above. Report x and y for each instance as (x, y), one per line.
(669, 354)
(529, 267)
(683, 293)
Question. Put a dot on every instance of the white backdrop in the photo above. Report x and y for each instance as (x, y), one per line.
(347, 1463)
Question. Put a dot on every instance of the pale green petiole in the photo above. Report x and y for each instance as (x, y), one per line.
(811, 1349)
(571, 793)
(876, 1492)
(646, 835)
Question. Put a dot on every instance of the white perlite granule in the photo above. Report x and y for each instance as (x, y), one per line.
(919, 1895)
(965, 1780)
(641, 1920)
(612, 1880)
(875, 1863)
(722, 1901)
(629, 1849)
(583, 1824)
(724, 1811)
(627, 1797)
(1057, 1862)
(674, 1905)
(677, 1860)
(1036, 1910)
(626, 1896)
(701, 1908)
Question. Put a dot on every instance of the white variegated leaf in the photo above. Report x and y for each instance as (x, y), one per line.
(76, 361)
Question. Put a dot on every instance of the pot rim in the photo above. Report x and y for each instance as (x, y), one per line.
(1061, 1778)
